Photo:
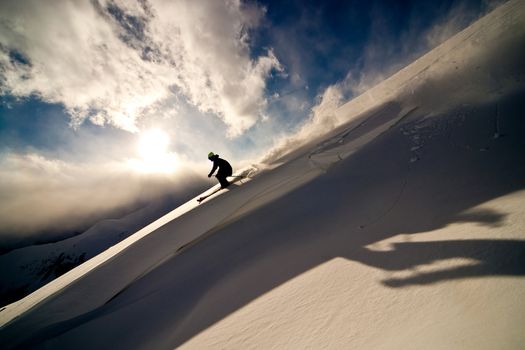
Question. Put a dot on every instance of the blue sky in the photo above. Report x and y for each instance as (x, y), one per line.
(82, 83)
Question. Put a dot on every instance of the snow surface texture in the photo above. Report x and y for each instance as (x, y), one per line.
(403, 228)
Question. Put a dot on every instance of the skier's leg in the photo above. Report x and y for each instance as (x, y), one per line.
(222, 180)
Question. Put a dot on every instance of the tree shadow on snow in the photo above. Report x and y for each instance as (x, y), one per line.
(484, 258)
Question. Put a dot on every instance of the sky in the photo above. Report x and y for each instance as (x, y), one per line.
(106, 103)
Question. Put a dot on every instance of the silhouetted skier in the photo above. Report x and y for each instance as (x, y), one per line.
(225, 169)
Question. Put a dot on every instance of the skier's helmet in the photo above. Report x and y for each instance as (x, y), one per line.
(211, 155)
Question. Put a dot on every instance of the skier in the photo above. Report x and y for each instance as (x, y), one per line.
(225, 169)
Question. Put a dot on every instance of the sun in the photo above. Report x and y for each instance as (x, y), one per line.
(153, 143)
(154, 154)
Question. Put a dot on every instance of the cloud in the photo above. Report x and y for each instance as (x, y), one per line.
(111, 61)
(47, 195)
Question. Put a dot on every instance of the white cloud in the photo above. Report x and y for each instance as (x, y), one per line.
(110, 61)
(41, 194)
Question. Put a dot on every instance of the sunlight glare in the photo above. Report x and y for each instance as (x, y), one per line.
(153, 143)
(153, 149)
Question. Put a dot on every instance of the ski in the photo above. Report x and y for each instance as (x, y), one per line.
(200, 199)
(234, 179)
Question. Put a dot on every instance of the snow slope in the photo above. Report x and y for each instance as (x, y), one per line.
(29, 268)
(402, 228)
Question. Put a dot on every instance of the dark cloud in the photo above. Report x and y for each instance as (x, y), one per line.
(132, 30)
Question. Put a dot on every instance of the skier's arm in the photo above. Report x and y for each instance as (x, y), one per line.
(215, 165)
